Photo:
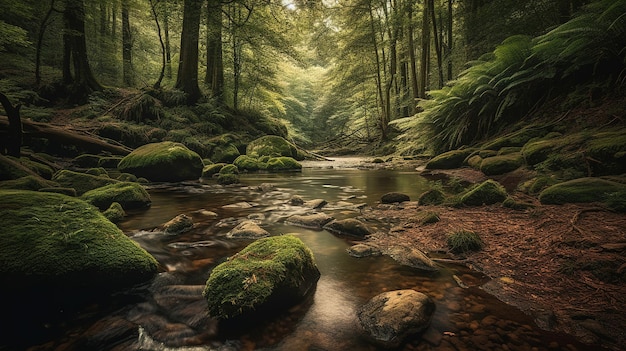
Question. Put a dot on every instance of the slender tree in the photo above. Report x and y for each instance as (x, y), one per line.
(423, 78)
(157, 84)
(187, 78)
(127, 47)
(214, 78)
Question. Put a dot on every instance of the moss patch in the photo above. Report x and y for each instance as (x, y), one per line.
(270, 271)
(501, 164)
(115, 212)
(224, 153)
(582, 190)
(229, 169)
(11, 168)
(486, 193)
(27, 183)
(464, 241)
(163, 162)
(210, 170)
(247, 163)
(283, 163)
(129, 195)
(82, 182)
(431, 197)
(227, 178)
(271, 145)
(449, 160)
(55, 241)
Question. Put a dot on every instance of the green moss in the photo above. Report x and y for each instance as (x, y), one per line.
(27, 183)
(58, 190)
(129, 195)
(224, 153)
(115, 212)
(87, 160)
(42, 170)
(428, 217)
(271, 145)
(538, 151)
(163, 162)
(283, 164)
(501, 164)
(486, 193)
(98, 171)
(431, 197)
(109, 162)
(11, 168)
(227, 179)
(474, 161)
(509, 150)
(229, 169)
(127, 177)
(247, 163)
(449, 160)
(540, 183)
(464, 241)
(516, 205)
(80, 181)
(608, 150)
(210, 170)
(581, 190)
(55, 241)
(250, 278)
(517, 138)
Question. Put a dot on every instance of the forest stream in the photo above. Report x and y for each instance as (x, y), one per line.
(172, 314)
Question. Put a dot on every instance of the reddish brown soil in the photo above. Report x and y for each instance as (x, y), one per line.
(539, 260)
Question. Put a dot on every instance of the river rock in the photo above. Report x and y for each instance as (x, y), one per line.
(296, 200)
(412, 257)
(272, 145)
(363, 250)
(269, 275)
(316, 204)
(393, 197)
(388, 318)
(163, 162)
(348, 226)
(178, 225)
(315, 221)
(129, 195)
(82, 182)
(247, 230)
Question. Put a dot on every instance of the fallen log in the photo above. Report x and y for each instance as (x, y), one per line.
(64, 136)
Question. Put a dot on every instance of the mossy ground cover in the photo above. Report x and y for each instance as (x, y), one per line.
(486, 193)
(585, 190)
(51, 240)
(251, 278)
(271, 145)
(82, 182)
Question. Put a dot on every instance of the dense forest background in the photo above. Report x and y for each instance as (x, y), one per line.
(335, 72)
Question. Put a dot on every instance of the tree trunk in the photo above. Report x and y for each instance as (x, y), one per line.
(187, 78)
(14, 142)
(215, 66)
(412, 61)
(425, 50)
(166, 30)
(157, 84)
(450, 39)
(379, 83)
(127, 48)
(42, 30)
(437, 42)
(83, 82)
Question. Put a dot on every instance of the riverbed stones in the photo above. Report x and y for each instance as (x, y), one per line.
(412, 257)
(163, 162)
(364, 250)
(178, 225)
(388, 318)
(394, 197)
(349, 226)
(269, 275)
(247, 230)
(314, 221)
(82, 182)
(315, 204)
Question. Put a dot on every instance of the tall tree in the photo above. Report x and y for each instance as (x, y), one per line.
(424, 61)
(157, 84)
(215, 63)
(127, 47)
(187, 78)
(81, 79)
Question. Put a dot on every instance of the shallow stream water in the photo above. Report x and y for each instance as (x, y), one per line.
(172, 314)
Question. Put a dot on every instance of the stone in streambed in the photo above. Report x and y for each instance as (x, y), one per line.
(178, 225)
(393, 197)
(348, 226)
(315, 221)
(363, 250)
(412, 257)
(163, 162)
(247, 230)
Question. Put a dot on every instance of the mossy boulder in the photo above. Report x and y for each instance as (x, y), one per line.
(224, 153)
(608, 149)
(486, 193)
(394, 197)
(229, 169)
(501, 164)
(209, 170)
(247, 163)
(82, 182)
(272, 145)
(127, 177)
(583, 190)
(163, 162)
(538, 151)
(268, 275)
(11, 168)
(115, 212)
(449, 160)
(431, 197)
(98, 171)
(59, 190)
(283, 163)
(109, 162)
(227, 178)
(178, 225)
(349, 226)
(52, 242)
(517, 138)
(129, 195)
(474, 161)
(86, 160)
(28, 183)
(41, 169)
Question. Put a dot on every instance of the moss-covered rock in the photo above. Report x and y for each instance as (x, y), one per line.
(486, 193)
(11, 168)
(115, 212)
(501, 164)
(271, 145)
(28, 183)
(86, 160)
(474, 161)
(59, 190)
(209, 170)
(82, 182)
(129, 195)
(431, 197)
(127, 177)
(608, 150)
(349, 226)
(224, 153)
(177, 225)
(247, 163)
(227, 178)
(283, 163)
(41, 169)
(538, 151)
(163, 162)
(517, 138)
(109, 162)
(56, 242)
(582, 190)
(229, 169)
(98, 171)
(394, 197)
(269, 274)
(449, 160)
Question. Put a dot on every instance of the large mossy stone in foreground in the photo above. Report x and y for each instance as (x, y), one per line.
(449, 160)
(28, 183)
(82, 182)
(269, 274)
(585, 190)
(486, 193)
(52, 242)
(11, 168)
(272, 145)
(129, 195)
(163, 162)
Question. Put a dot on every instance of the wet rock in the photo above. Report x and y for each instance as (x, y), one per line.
(348, 226)
(393, 197)
(207, 213)
(129, 195)
(240, 205)
(177, 225)
(265, 187)
(296, 201)
(247, 230)
(315, 221)
(316, 204)
(412, 257)
(387, 319)
(364, 250)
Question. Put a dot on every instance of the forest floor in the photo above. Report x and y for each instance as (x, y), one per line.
(563, 265)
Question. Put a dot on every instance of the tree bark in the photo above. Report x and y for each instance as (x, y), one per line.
(14, 140)
(425, 50)
(215, 66)
(450, 39)
(437, 42)
(412, 60)
(157, 84)
(166, 30)
(187, 79)
(127, 47)
(42, 30)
